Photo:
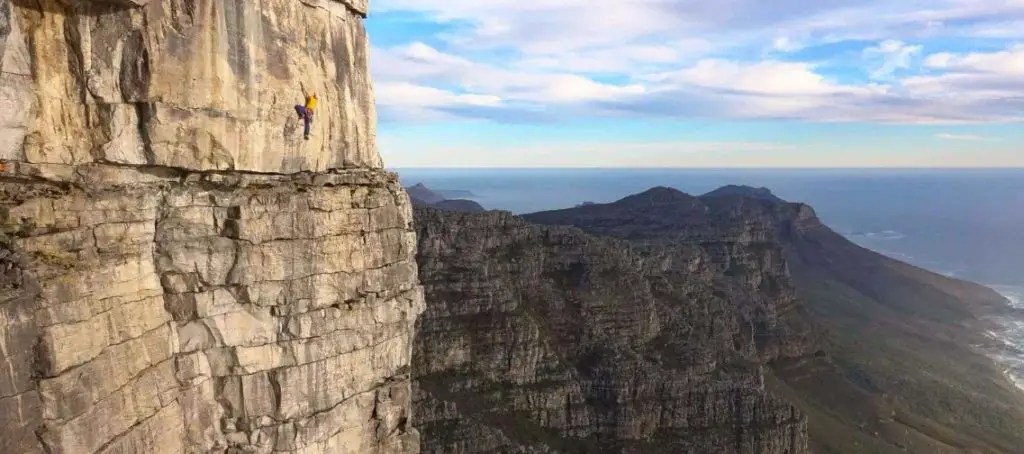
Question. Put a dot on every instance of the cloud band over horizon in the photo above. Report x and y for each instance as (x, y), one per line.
(925, 68)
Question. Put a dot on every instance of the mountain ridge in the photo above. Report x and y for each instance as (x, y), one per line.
(806, 296)
(421, 195)
(733, 190)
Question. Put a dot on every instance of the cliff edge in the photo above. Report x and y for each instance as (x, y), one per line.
(181, 272)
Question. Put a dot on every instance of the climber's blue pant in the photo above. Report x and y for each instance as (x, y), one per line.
(307, 118)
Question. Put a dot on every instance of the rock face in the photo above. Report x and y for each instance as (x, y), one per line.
(879, 354)
(546, 339)
(465, 206)
(191, 84)
(663, 322)
(744, 191)
(179, 270)
(735, 240)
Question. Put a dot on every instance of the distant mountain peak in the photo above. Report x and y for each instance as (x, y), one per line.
(422, 196)
(744, 191)
(658, 195)
(463, 205)
(421, 192)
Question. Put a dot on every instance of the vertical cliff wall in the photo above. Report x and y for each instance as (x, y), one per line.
(181, 272)
(545, 339)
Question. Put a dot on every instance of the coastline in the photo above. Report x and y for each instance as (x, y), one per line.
(1010, 335)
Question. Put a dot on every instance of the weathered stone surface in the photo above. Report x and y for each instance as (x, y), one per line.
(271, 315)
(179, 270)
(869, 339)
(200, 85)
(15, 83)
(734, 242)
(545, 339)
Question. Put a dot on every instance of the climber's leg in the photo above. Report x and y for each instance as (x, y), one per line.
(300, 110)
(306, 120)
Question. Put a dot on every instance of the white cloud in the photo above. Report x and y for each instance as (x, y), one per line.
(563, 27)
(990, 82)
(1009, 62)
(405, 76)
(772, 89)
(765, 77)
(710, 88)
(966, 87)
(411, 95)
(964, 137)
(890, 55)
(575, 154)
(693, 58)
(940, 60)
(1010, 29)
(417, 61)
(620, 59)
(785, 44)
(547, 27)
(787, 90)
(404, 101)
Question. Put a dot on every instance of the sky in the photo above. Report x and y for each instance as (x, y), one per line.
(699, 83)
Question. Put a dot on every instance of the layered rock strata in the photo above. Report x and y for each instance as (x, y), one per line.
(546, 339)
(876, 352)
(181, 272)
(736, 240)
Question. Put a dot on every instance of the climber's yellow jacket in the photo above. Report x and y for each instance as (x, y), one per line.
(311, 103)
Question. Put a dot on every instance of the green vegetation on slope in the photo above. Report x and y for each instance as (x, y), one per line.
(900, 337)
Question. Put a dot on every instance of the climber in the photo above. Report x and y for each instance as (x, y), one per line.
(306, 113)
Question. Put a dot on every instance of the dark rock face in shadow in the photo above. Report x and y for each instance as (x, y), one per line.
(422, 193)
(422, 196)
(546, 339)
(663, 322)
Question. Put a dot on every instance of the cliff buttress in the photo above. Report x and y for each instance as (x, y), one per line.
(181, 272)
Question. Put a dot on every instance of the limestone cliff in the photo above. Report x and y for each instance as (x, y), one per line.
(181, 272)
(546, 339)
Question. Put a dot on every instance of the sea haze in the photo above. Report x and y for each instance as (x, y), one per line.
(966, 223)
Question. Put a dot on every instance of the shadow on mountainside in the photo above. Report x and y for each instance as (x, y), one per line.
(906, 334)
(897, 372)
(422, 196)
(546, 339)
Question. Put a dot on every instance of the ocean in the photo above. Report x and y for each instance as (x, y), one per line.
(965, 223)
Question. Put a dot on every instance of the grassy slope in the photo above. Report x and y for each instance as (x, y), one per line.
(900, 373)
